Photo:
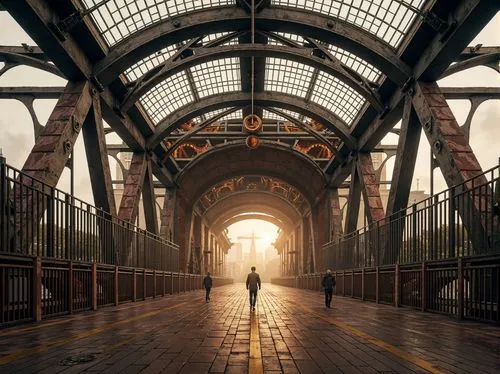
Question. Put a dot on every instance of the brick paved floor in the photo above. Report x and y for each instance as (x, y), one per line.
(291, 332)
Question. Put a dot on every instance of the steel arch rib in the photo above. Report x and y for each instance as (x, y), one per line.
(36, 63)
(240, 99)
(342, 34)
(201, 55)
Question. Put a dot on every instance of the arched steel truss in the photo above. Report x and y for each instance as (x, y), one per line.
(301, 173)
(241, 99)
(201, 55)
(323, 28)
(253, 184)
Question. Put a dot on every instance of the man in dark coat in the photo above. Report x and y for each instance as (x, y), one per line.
(253, 282)
(328, 283)
(207, 282)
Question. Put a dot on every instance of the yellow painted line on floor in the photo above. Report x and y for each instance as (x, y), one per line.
(255, 362)
(42, 348)
(401, 353)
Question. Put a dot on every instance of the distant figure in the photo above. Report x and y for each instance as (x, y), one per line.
(328, 283)
(207, 282)
(253, 281)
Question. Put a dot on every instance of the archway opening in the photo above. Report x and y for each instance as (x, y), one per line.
(253, 245)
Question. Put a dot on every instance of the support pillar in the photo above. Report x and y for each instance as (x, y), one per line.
(374, 209)
(402, 176)
(129, 205)
(149, 201)
(351, 222)
(100, 177)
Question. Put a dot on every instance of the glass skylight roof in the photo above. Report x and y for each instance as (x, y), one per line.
(218, 76)
(337, 97)
(143, 66)
(168, 96)
(287, 76)
(387, 19)
(117, 19)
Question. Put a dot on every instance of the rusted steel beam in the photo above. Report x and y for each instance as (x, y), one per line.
(374, 209)
(53, 147)
(129, 205)
(97, 159)
(454, 156)
(266, 99)
(404, 165)
(314, 25)
(149, 201)
(37, 92)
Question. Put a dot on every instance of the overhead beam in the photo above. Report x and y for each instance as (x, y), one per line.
(259, 70)
(464, 93)
(37, 92)
(317, 26)
(266, 99)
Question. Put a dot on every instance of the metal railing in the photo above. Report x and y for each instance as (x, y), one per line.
(458, 222)
(37, 288)
(467, 288)
(40, 220)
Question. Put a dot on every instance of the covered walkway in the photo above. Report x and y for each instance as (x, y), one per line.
(291, 332)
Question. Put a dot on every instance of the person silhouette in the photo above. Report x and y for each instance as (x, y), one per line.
(253, 283)
(207, 282)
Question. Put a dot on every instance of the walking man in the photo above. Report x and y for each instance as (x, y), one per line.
(328, 283)
(253, 281)
(207, 282)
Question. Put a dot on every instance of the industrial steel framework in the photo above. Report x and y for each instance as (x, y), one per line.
(174, 80)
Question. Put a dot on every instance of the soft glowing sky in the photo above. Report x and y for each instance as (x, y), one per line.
(16, 132)
(265, 230)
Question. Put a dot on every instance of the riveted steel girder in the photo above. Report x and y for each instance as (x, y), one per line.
(239, 99)
(317, 26)
(201, 55)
